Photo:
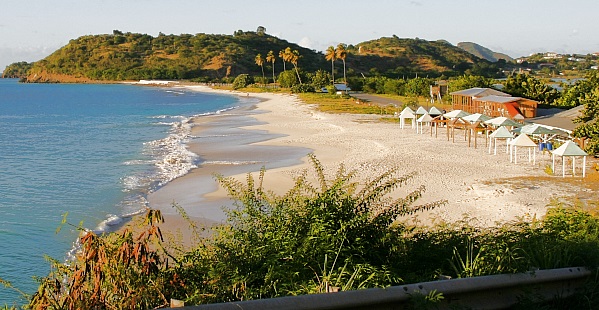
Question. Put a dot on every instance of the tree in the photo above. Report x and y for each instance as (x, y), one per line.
(294, 58)
(270, 57)
(321, 79)
(468, 81)
(242, 81)
(589, 120)
(574, 95)
(342, 54)
(287, 79)
(530, 87)
(260, 62)
(331, 55)
(282, 55)
(589, 127)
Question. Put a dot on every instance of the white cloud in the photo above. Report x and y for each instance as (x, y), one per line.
(9, 55)
(306, 42)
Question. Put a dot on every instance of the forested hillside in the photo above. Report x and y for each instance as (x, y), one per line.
(483, 52)
(213, 57)
(399, 56)
(131, 56)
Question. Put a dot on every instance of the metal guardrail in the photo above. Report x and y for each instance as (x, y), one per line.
(486, 292)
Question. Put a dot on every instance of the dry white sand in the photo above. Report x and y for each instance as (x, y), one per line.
(477, 186)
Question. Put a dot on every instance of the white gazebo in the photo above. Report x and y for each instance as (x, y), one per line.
(523, 141)
(421, 111)
(407, 113)
(433, 111)
(456, 114)
(425, 118)
(569, 149)
(502, 121)
(476, 117)
(501, 133)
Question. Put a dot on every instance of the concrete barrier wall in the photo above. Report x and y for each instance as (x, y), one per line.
(486, 292)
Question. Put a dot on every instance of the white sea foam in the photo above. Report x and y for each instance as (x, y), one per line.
(231, 163)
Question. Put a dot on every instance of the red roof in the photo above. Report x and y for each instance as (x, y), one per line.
(513, 109)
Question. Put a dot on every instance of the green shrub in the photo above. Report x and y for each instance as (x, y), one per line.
(302, 88)
(242, 81)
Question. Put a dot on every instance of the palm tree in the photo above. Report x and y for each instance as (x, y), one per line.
(270, 57)
(331, 54)
(282, 56)
(293, 58)
(260, 62)
(341, 53)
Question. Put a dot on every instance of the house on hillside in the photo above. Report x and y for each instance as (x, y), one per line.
(493, 103)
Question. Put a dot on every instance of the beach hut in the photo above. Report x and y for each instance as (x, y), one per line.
(545, 133)
(523, 141)
(502, 121)
(421, 111)
(456, 114)
(476, 117)
(433, 111)
(424, 119)
(569, 149)
(501, 133)
(407, 113)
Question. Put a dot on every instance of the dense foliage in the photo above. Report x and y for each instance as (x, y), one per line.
(208, 57)
(321, 237)
(586, 93)
(131, 56)
(526, 86)
(17, 70)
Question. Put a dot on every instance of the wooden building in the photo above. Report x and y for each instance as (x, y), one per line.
(493, 103)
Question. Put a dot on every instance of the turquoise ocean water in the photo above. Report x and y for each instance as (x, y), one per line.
(93, 151)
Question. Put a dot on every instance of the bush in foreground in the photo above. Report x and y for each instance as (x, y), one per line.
(336, 234)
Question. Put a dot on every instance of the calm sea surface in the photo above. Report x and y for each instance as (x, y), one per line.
(93, 151)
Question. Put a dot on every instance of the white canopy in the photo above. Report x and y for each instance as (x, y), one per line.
(502, 121)
(456, 114)
(569, 149)
(476, 117)
(421, 111)
(425, 118)
(406, 113)
(434, 111)
(523, 141)
(500, 133)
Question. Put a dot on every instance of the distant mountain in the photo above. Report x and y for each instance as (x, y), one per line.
(394, 55)
(483, 52)
(132, 56)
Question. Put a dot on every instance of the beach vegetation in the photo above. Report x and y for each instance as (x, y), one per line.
(527, 86)
(324, 235)
(242, 80)
(341, 53)
(271, 58)
(586, 93)
(330, 55)
(260, 62)
(287, 79)
(320, 79)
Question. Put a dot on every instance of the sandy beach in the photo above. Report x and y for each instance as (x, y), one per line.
(480, 188)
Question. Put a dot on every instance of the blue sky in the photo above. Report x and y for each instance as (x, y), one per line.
(32, 29)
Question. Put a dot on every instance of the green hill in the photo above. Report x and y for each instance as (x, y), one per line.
(483, 52)
(131, 56)
(393, 55)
